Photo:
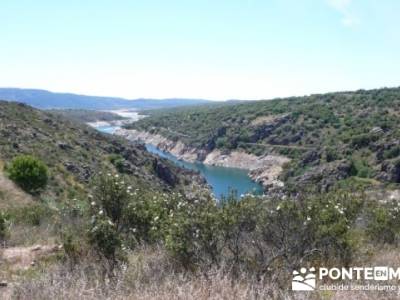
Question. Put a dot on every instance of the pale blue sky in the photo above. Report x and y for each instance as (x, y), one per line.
(220, 49)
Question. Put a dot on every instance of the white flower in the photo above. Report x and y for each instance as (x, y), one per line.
(308, 219)
(116, 176)
(278, 207)
(101, 212)
(93, 203)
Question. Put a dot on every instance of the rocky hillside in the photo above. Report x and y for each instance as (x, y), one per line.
(329, 138)
(75, 153)
(85, 115)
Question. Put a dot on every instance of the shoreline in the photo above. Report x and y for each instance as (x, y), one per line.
(264, 170)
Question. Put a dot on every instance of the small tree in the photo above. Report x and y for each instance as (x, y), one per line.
(29, 173)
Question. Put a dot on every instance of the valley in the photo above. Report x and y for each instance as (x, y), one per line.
(152, 196)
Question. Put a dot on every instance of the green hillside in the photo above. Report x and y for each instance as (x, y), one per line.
(85, 116)
(356, 131)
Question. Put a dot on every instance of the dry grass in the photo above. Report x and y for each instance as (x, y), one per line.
(27, 235)
(150, 275)
(10, 195)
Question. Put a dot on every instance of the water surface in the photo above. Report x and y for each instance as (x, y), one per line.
(222, 180)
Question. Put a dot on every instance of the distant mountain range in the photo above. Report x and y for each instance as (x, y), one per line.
(48, 100)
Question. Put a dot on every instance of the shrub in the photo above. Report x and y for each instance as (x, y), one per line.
(331, 154)
(193, 232)
(118, 161)
(384, 222)
(29, 173)
(111, 195)
(123, 213)
(257, 234)
(105, 238)
(361, 168)
(363, 140)
(391, 153)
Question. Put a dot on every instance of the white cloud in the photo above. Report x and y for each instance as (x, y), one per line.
(344, 8)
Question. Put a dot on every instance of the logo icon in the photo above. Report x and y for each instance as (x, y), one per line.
(304, 280)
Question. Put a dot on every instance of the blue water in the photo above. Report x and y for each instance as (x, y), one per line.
(107, 128)
(221, 179)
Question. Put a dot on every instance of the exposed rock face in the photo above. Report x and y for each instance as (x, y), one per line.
(390, 171)
(82, 172)
(176, 148)
(324, 176)
(265, 126)
(264, 170)
(311, 157)
(165, 173)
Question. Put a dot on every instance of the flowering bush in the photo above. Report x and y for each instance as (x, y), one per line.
(105, 238)
(384, 222)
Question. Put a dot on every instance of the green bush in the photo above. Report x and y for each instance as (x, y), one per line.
(118, 161)
(29, 173)
(193, 232)
(105, 238)
(131, 214)
(391, 153)
(361, 168)
(254, 234)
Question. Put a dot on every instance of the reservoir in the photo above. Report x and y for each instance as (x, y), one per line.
(222, 180)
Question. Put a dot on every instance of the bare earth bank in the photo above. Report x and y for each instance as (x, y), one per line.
(263, 169)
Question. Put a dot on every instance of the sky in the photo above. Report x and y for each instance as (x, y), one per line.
(213, 49)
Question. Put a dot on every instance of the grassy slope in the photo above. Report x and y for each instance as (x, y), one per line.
(361, 126)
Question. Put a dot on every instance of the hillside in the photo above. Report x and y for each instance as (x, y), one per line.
(76, 153)
(48, 100)
(85, 115)
(329, 137)
(144, 229)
